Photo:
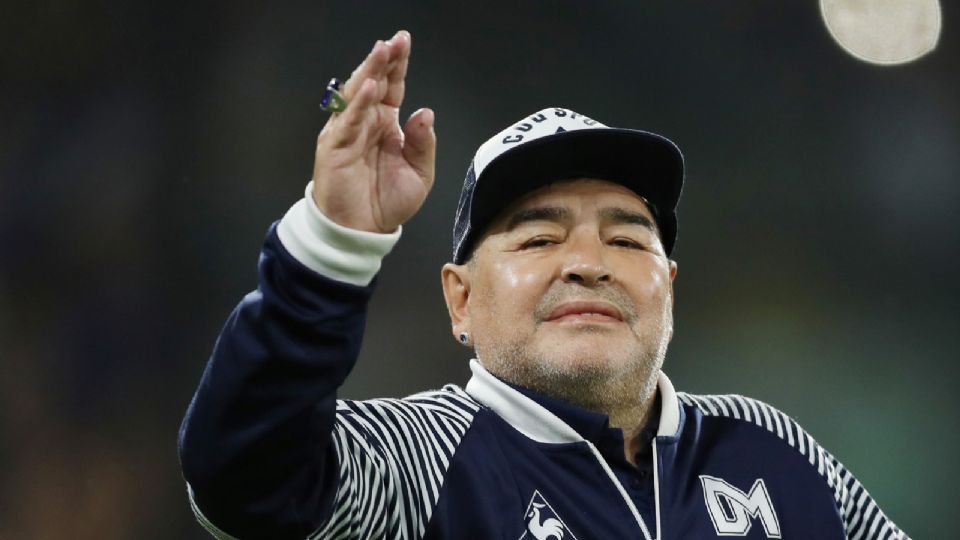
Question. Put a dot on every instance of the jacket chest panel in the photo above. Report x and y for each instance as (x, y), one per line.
(502, 485)
(741, 481)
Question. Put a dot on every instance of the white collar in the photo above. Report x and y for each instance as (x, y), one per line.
(534, 421)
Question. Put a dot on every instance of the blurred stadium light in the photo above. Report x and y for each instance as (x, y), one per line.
(884, 32)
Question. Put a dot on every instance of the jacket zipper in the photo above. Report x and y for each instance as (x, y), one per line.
(623, 492)
(656, 488)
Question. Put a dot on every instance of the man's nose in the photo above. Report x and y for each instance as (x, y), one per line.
(584, 264)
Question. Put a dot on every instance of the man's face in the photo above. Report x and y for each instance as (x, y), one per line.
(569, 284)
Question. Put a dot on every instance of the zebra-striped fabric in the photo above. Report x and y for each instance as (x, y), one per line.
(861, 516)
(393, 454)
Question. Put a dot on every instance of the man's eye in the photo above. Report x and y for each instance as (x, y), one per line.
(627, 243)
(540, 241)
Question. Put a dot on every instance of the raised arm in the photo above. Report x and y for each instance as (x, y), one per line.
(255, 444)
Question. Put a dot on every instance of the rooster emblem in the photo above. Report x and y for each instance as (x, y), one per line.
(550, 528)
(543, 522)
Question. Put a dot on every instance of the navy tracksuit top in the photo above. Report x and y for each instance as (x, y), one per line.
(268, 451)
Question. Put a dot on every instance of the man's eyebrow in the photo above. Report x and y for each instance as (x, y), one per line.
(538, 213)
(628, 217)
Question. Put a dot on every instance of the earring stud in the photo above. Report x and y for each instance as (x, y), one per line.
(464, 337)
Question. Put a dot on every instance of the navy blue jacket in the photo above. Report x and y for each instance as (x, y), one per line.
(268, 451)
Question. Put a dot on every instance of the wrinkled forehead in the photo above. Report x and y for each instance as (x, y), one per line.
(576, 195)
(598, 196)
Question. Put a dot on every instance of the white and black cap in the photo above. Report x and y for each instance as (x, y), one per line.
(559, 144)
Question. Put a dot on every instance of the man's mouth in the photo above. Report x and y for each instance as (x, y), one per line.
(585, 311)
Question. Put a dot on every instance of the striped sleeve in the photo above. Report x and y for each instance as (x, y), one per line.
(393, 454)
(861, 516)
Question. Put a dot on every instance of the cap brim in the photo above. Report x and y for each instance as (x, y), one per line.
(648, 164)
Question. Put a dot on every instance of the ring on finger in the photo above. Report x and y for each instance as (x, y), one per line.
(332, 100)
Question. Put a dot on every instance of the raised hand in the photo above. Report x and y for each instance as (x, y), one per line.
(369, 174)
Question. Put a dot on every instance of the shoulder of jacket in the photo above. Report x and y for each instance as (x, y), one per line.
(451, 398)
(451, 402)
(765, 416)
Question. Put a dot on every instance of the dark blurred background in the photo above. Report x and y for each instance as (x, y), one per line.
(147, 146)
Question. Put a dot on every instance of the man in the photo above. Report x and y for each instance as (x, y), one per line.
(562, 284)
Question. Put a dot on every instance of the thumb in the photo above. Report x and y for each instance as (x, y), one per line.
(420, 144)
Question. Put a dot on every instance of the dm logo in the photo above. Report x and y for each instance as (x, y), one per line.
(543, 523)
(733, 511)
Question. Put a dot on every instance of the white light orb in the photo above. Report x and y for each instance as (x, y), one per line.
(885, 32)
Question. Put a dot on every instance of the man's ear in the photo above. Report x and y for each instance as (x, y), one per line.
(673, 275)
(455, 279)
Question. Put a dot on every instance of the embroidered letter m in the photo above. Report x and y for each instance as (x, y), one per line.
(733, 511)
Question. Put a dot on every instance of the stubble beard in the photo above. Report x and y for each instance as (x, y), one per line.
(618, 386)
